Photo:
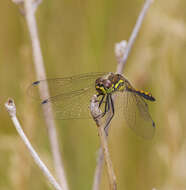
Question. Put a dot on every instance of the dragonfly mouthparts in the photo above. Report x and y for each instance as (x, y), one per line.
(70, 97)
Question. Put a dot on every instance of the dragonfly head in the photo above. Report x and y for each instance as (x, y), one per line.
(103, 86)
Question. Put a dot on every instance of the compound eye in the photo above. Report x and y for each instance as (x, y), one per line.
(108, 84)
(100, 84)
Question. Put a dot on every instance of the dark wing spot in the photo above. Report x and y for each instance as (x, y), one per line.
(44, 101)
(35, 83)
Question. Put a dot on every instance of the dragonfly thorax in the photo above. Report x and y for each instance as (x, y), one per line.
(110, 83)
(70, 98)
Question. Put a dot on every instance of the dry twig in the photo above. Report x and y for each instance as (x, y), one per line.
(133, 36)
(122, 51)
(98, 170)
(96, 113)
(30, 7)
(11, 108)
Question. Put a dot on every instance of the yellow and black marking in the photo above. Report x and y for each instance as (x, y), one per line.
(101, 89)
(119, 85)
(144, 94)
(73, 93)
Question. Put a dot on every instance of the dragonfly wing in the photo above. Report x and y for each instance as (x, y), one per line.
(136, 114)
(63, 85)
(73, 105)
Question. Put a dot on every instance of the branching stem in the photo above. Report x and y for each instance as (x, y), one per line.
(30, 7)
(11, 108)
(96, 112)
(120, 68)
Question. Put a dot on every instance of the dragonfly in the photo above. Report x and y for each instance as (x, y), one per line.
(70, 98)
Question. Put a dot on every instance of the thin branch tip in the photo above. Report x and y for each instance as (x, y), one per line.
(104, 152)
(94, 108)
(30, 7)
(35, 4)
(18, 2)
(10, 107)
(21, 4)
(120, 49)
(133, 36)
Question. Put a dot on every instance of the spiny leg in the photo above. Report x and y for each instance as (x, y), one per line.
(108, 102)
(100, 103)
(106, 107)
(111, 103)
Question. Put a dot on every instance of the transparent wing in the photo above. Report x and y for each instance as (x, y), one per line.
(135, 112)
(63, 85)
(73, 105)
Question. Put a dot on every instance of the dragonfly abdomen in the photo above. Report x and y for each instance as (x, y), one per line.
(144, 94)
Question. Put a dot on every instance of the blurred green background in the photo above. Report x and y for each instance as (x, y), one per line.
(79, 37)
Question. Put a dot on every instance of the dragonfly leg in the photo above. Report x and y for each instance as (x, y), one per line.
(100, 103)
(110, 103)
(106, 106)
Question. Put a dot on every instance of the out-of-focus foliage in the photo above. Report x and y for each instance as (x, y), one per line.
(79, 37)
